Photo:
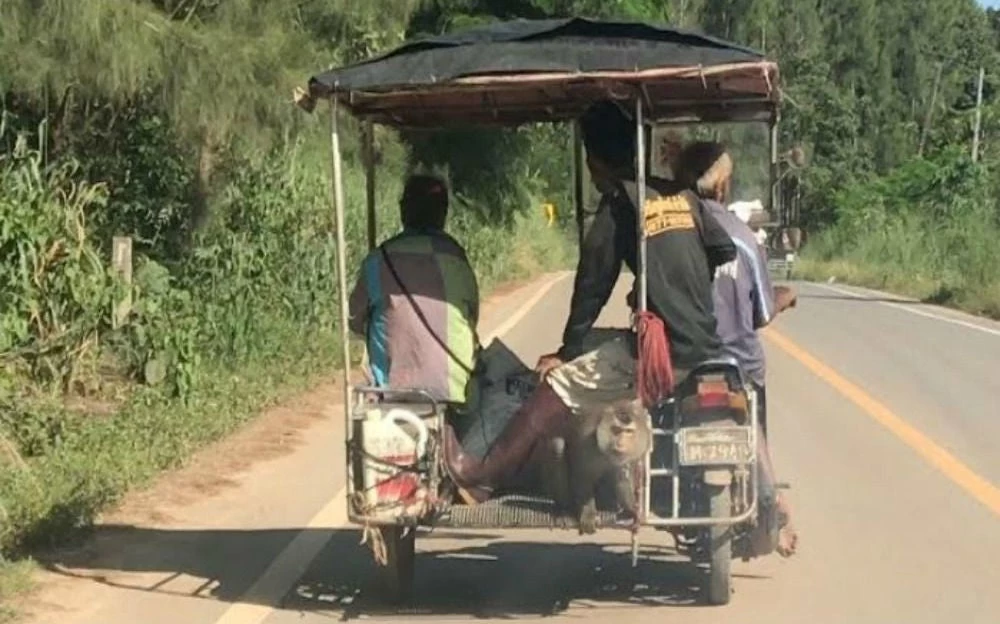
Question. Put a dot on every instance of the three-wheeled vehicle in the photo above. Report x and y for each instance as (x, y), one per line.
(699, 480)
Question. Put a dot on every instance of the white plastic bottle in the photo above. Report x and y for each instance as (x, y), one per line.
(389, 491)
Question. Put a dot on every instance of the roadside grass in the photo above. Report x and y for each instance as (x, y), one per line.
(927, 229)
(80, 464)
(982, 299)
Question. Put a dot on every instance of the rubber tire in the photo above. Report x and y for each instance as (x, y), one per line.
(398, 573)
(718, 584)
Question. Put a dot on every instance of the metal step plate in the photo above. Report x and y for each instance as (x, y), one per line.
(516, 511)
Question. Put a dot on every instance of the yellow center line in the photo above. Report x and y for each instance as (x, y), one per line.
(977, 486)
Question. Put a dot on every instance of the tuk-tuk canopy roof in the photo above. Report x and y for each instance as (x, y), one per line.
(525, 71)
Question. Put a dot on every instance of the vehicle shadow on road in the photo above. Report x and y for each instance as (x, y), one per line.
(463, 574)
(503, 580)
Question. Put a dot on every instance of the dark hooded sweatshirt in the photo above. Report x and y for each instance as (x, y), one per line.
(684, 246)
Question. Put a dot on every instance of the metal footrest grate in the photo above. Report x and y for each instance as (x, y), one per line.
(515, 511)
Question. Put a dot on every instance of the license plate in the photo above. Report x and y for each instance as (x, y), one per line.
(711, 446)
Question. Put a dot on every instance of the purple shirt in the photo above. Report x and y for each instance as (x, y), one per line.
(743, 295)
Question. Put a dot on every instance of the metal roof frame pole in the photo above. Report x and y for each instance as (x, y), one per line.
(773, 172)
(640, 172)
(578, 181)
(369, 151)
(640, 231)
(339, 217)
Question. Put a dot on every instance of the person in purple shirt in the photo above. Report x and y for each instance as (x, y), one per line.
(744, 299)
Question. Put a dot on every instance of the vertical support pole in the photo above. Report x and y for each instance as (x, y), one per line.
(640, 223)
(640, 232)
(121, 263)
(369, 151)
(979, 115)
(339, 214)
(578, 181)
(773, 173)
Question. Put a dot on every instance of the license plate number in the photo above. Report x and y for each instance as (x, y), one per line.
(711, 446)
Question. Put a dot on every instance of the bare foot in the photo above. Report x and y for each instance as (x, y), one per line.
(788, 537)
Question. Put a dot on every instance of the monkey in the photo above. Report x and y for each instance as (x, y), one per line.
(603, 441)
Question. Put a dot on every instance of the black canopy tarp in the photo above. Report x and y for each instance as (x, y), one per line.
(549, 70)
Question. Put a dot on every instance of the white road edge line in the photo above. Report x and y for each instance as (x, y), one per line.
(908, 307)
(523, 311)
(258, 602)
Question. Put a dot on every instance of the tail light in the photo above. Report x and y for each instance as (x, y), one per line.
(713, 394)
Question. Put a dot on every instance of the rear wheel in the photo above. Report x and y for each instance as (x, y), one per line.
(397, 575)
(719, 547)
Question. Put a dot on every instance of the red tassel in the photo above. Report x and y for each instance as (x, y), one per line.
(655, 369)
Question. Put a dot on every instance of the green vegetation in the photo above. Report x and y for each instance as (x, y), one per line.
(893, 199)
(89, 410)
(927, 229)
(170, 121)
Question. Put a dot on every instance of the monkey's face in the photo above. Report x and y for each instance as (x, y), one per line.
(624, 432)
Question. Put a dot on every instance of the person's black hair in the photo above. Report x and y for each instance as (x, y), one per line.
(424, 204)
(609, 134)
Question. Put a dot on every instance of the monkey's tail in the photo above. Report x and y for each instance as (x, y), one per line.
(655, 369)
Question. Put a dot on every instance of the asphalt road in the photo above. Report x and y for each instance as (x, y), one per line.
(885, 421)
